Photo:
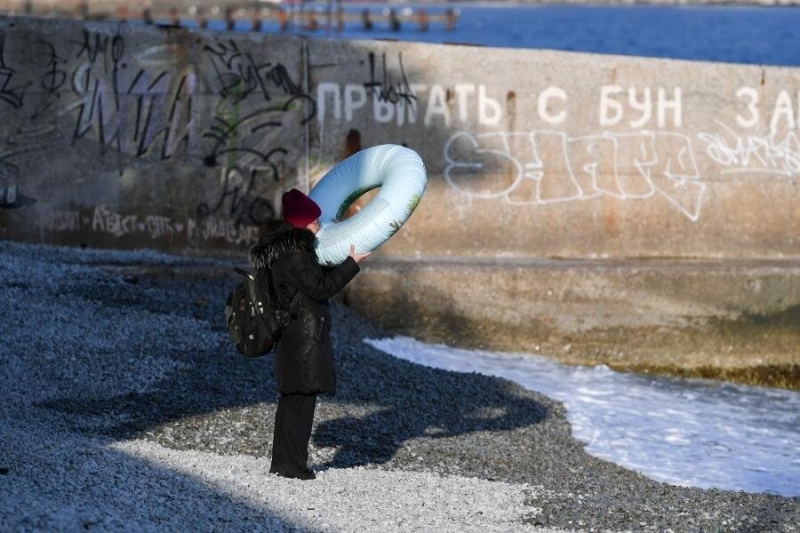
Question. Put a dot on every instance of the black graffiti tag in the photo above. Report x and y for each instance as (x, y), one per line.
(237, 195)
(12, 95)
(181, 106)
(43, 55)
(92, 46)
(239, 74)
(386, 88)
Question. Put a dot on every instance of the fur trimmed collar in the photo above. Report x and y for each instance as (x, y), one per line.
(278, 239)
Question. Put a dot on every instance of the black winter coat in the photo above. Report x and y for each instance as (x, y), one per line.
(304, 358)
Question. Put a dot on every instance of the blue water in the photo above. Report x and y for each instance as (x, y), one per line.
(768, 35)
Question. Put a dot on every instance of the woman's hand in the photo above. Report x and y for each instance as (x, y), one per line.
(358, 257)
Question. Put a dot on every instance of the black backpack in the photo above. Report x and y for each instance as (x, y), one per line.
(254, 323)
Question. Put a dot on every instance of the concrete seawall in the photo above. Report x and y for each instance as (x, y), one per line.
(718, 319)
(637, 187)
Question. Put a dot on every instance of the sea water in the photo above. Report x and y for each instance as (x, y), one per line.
(733, 34)
(689, 432)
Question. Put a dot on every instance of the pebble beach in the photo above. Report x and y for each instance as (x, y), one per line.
(125, 407)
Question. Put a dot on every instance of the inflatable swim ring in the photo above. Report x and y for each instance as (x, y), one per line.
(400, 174)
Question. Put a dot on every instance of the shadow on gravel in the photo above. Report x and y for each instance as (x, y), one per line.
(437, 405)
(411, 401)
(207, 394)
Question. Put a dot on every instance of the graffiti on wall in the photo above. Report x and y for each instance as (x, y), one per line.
(9, 183)
(379, 95)
(774, 154)
(12, 93)
(387, 98)
(238, 76)
(91, 87)
(642, 151)
(223, 111)
(544, 167)
(127, 110)
(104, 220)
(118, 105)
(243, 141)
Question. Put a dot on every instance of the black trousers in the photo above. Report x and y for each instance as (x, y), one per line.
(293, 421)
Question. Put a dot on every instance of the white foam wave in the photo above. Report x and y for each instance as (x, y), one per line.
(689, 432)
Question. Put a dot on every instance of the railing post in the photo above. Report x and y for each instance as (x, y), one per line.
(311, 23)
(256, 24)
(394, 22)
(200, 18)
(283, 19)
(422, 19)
(339, 18)
(366, 21)
(450, 19)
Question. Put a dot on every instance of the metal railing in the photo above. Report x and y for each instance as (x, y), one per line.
(254, 16)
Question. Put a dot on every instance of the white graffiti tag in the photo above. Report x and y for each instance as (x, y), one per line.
(752, 153)
(545, 167)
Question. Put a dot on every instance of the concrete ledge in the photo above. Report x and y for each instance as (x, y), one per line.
(732, 320)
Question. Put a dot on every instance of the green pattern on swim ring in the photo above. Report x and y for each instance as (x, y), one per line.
(352, 197)
(412, 204)
(395, 227)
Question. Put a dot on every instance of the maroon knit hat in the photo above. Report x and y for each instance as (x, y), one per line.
(298, 209)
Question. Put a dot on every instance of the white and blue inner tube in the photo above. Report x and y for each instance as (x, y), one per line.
(401, 176)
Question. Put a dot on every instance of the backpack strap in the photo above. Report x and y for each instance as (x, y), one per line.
(292, 310)
(243, 272)
(270, 286)
(251, 287)
(294, 305)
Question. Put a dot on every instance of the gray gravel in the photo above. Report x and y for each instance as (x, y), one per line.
(125, 408)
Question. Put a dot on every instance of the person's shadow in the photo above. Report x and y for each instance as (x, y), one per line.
(418, 402)
(376, 438)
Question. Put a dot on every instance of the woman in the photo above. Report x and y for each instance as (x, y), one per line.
(304, 363)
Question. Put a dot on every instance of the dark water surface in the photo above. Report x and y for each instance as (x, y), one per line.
(765, 35)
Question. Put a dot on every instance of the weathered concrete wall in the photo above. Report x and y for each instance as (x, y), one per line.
(121, 136)
(737, 320)
(115, 135)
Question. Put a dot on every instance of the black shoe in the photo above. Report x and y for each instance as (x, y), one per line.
(304, 475)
